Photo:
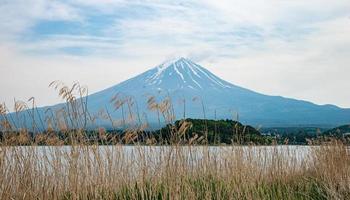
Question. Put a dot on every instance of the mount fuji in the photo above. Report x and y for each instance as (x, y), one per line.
(195, 92)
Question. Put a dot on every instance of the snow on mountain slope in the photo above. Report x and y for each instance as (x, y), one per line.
(186, 74)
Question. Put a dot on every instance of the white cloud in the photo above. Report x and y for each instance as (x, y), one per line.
(293, 48)
(17, 16)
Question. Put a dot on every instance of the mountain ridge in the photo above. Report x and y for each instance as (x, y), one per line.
(183, 81)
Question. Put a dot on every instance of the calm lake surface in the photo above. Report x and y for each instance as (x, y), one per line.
(131, 161)
(153, 155)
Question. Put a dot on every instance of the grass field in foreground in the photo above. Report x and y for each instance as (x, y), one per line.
(183, 170)
(175, 172)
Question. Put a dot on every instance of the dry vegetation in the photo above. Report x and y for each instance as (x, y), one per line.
(176, 171)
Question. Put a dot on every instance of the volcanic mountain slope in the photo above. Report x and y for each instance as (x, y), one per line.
(197, 93)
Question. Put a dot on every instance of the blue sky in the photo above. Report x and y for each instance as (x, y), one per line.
(295, 48)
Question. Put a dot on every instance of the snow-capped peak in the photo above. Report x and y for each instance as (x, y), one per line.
(170, 62)
(182, 72)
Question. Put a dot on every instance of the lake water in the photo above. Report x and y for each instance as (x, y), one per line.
(157, 155)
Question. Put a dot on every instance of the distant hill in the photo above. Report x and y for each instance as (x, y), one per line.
(339, 131)
(216, 131)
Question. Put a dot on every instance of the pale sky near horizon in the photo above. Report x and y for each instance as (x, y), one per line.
(292, 48)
